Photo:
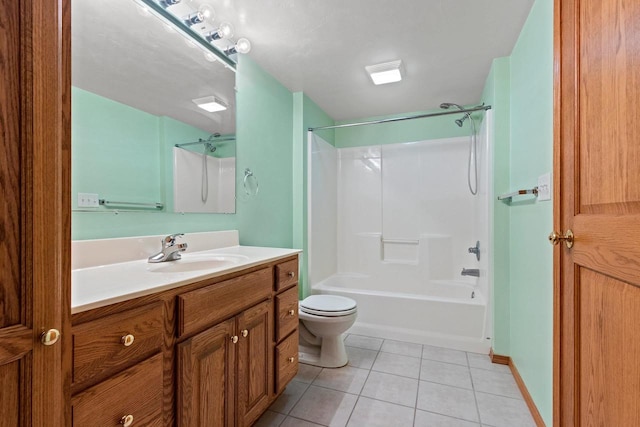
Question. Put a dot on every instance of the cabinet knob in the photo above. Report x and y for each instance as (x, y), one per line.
(291, 359)
(50, 337)
(291, 274)
(127, 420)
(245, 333)
(292, 312)
(234, 339)
(127, 340)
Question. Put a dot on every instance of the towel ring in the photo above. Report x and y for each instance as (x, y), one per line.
(247, 183)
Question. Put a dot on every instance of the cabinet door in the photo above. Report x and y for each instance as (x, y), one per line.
(206, 372)
(255, 362)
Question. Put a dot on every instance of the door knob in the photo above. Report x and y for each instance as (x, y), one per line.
(245, 332)
(50, 337)
(555, 238)
(234, 339)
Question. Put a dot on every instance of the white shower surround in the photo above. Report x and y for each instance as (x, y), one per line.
(389, 226)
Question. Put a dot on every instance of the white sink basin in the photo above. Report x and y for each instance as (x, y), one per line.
(198, 262)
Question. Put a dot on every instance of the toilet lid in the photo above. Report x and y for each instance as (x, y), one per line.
(328, 305)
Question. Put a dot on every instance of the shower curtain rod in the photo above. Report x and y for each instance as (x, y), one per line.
(399, 119)
(205, 141)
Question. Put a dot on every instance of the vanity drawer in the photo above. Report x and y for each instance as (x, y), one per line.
(287, 313)
(212, 304)
(286, 361)
(286, 274)
(135, 392)
(103, 346)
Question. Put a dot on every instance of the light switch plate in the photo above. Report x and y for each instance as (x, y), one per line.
(88, 200)
(544, 187)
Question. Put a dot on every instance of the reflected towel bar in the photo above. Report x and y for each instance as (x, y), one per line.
(110, 203)
(508, 196)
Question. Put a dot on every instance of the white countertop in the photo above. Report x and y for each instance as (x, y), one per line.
(99, 286)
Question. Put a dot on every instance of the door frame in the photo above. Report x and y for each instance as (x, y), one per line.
(45, 34)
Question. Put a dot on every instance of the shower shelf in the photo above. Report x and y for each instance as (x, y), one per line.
(508, 196)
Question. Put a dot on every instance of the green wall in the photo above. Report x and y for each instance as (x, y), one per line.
(531, 155)
(264, 138)
(306, 114)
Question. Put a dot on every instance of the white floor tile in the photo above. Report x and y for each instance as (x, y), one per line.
(446, 400)
(373, 413)
(347, 379)
(391, 388)
(397, 364)
(501, 411)
(363, 342)
(289, 397)
(307, 373)
(297, 422)
(444, 355)
(323, 406)
(495, 383)
(361, 357)
(403, 348)
(445, 373)
(483, 361)
(429, 419)
(270, 419)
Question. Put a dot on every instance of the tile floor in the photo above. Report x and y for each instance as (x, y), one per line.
(396, 384)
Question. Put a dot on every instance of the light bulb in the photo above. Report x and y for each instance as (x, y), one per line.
(207, 11)
(224, 31)
(196, 18)
(243, 45)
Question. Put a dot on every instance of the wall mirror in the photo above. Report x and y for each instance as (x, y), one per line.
(140, 141)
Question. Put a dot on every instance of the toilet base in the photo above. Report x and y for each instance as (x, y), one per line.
(331, 354)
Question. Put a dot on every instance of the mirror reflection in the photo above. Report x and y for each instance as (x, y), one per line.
(153, 116)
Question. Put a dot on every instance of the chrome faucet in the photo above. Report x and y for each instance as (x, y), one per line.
(476, 250)
(471, 272)
(170, 249)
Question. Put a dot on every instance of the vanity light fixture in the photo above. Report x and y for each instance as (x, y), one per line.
(210, 104)
(388, 72)
(242, 46)
(172, 12)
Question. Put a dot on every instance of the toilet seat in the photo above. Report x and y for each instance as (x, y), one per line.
(328, 305)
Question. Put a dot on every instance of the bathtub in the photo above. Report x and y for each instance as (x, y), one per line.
(445, 313)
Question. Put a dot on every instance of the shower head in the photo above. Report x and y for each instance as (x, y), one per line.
(210, 147)
(459, 122)
(447, 105)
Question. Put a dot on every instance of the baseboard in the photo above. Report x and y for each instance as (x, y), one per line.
(506, 360)
(499, 359)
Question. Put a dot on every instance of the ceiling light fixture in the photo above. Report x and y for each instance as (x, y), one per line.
(242, 46)
(388, 72)
(210, 104)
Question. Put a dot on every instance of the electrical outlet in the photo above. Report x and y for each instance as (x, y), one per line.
(544, 187)
(88, 200)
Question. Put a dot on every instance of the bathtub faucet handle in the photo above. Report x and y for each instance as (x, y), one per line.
(476, 250)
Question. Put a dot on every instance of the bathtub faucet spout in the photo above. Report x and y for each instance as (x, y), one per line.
(471, 272)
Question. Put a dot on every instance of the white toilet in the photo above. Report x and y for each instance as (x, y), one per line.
(323, 319)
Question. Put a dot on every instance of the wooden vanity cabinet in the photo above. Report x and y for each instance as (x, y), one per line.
(229, 363)
(212, 353)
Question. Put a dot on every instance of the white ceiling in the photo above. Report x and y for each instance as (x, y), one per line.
(319, 47)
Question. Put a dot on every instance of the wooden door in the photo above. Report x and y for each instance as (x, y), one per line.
(35, 242)
(597, 192)
(206, 377)
(255, 362)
